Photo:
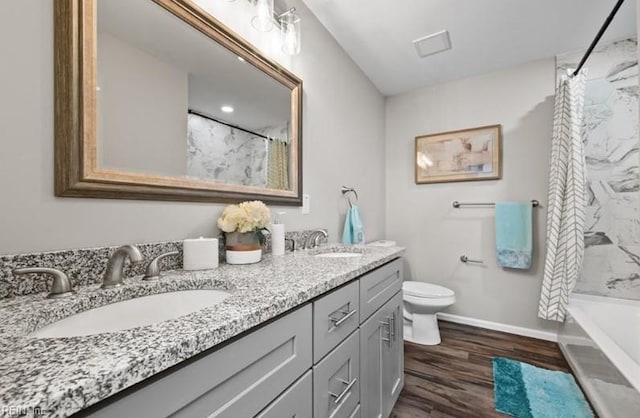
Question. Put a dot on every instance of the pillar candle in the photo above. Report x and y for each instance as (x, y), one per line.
(200, 254)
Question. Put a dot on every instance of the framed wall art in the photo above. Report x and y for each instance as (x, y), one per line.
(465, 155)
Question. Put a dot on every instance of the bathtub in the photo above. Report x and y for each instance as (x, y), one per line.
(601, 342)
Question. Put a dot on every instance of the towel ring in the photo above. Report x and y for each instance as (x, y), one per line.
(346, 190)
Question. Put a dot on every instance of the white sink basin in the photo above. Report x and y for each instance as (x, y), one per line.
(338, 255)
(132, 313)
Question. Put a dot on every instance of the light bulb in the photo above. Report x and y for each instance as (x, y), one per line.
(263, 21)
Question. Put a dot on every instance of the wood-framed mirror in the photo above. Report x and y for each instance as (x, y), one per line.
(158, 100)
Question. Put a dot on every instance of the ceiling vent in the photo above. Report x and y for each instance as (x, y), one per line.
(432, 44)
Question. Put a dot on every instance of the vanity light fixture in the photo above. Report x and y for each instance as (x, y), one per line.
(289, 22)
(263, 20)
(227, 109)
(290, 32)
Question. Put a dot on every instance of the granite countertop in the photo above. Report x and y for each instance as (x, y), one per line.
(60, 376)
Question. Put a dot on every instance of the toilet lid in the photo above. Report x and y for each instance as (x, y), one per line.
(426, 290)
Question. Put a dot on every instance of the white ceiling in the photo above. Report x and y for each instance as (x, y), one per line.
(485, 34)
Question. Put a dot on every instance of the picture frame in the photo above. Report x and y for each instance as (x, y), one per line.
(464, 155)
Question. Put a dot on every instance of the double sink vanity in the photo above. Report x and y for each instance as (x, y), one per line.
(314, 333)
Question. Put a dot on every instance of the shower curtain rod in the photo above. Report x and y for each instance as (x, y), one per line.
(598, 36)
(202, 115)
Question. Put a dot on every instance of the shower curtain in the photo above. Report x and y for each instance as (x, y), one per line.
(566, 208)
(278, 165)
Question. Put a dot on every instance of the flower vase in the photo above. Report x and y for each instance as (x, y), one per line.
(243, 248)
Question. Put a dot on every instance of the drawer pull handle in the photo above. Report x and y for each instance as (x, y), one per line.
(338, 398)
(387, 324)
(392, 326)
(338, 322)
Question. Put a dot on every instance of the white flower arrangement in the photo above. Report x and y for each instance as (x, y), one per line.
(253, 216)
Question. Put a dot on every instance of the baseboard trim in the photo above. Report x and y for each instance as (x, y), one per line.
(496, 326)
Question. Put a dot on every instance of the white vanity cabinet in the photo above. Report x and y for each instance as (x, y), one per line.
(340, 356)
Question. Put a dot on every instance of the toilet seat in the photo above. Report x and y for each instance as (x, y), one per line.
(426, 290)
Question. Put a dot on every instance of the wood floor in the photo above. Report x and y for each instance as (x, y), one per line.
(455, 378)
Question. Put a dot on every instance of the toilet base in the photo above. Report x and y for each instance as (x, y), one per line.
(422, 329)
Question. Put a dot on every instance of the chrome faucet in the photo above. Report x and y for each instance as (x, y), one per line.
(314, 237)
(113, 276)
(61, 286)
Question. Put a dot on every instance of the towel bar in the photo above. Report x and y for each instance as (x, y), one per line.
(457, 205)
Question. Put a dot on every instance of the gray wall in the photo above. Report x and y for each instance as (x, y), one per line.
(343, 144)
(421, 217)
(142, 121)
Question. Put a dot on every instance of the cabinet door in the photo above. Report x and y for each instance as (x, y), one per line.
(336, 381)
(295, 402)
(238, 380)
(373, 336)
(393, 355)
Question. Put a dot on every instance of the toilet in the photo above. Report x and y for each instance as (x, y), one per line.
(421, 303)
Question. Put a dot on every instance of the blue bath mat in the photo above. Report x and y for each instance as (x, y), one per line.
(525, 391)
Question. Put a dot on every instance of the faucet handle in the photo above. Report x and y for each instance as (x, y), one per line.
(61, 286)
(153, 268)
(294, 244)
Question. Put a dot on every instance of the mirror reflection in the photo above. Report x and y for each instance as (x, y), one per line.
(172, 102)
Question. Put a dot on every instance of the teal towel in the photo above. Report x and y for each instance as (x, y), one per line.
(353, 232)
(514, 234)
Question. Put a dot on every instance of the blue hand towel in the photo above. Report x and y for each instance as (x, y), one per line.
(514, 234)
(353, 232)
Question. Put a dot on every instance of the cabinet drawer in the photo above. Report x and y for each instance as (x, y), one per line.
(336, 381)
(378, 286)
(335, 316)
(295, 402)
(239, 380)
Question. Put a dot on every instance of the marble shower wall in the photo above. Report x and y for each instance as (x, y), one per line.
(612, 236)
(220, 153)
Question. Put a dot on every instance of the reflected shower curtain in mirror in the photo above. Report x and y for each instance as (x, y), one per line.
(278, 167)
(566, 207)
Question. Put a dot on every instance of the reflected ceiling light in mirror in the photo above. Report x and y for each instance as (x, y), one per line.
(227, 109)
(263, 20)
(290, 32)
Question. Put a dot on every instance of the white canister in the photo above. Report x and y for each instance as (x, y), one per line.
(200, 254)
(277, 239)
